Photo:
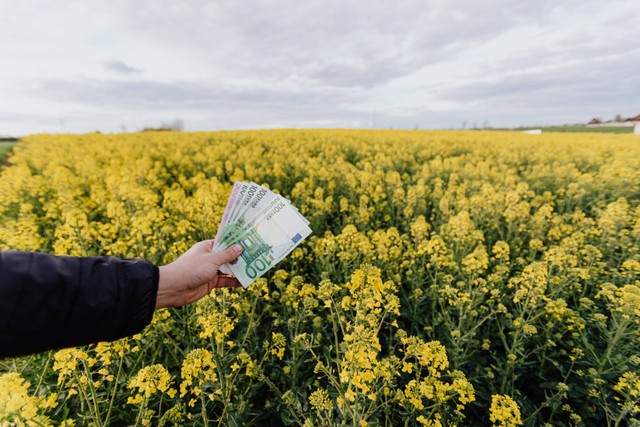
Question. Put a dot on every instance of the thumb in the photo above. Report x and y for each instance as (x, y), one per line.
(228, 254)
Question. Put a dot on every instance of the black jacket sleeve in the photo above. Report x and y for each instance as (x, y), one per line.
(50, 302)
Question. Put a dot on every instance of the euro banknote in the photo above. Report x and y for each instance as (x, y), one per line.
(267, 226)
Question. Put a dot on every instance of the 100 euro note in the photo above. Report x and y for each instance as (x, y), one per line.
(246, 201)
(247, 205)
(267, 227)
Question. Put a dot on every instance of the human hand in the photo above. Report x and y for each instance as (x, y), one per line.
(194, 275)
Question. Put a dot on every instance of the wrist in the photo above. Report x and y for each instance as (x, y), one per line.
(165, 297)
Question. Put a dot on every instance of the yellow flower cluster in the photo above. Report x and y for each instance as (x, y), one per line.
(278, 344)
(629, 387)
(504, 411)
(624, 300)
(66, 362)
(367, 303)
(198, 367)
(150, 380)
(214, 323)
(430, 387)
(18, 407)
(320, 400)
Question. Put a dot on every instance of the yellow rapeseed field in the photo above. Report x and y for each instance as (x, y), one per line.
(453, 278)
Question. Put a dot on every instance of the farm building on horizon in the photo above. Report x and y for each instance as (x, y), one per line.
(630, 121)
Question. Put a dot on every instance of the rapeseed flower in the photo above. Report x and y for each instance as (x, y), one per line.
(504, 411)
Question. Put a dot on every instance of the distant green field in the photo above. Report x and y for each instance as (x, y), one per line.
(582, 128)
(5, 147)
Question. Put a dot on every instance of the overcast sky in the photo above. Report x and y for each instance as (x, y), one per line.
(110, 66)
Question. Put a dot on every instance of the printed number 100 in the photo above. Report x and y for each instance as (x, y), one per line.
(259, 265)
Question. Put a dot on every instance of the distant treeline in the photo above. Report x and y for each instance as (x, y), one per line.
(177, 125)
(8, 139)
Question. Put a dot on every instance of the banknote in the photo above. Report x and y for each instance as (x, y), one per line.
(267, 226)
(255, 202)
(245, 198)
(229, 208)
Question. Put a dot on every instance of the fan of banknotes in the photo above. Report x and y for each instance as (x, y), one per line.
(267, 226)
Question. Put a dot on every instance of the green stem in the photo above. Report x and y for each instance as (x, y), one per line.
(612, 345)
(46, 366)
(203, 409)
(83, 393)
(143, 405)
(94, 397)
(113, 391)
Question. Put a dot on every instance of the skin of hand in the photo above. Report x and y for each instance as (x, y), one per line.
(194, 275)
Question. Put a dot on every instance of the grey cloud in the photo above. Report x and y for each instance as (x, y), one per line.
(346, 45)
(364, 75)
(202, 106)
(610, 77)
(149, 94)
(121, 67)
(113, 105)
(569, 92)
(583, 49)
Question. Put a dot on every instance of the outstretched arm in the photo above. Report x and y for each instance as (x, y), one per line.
(50, 302)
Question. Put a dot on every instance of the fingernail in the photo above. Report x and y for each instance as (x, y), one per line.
(237, 248)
